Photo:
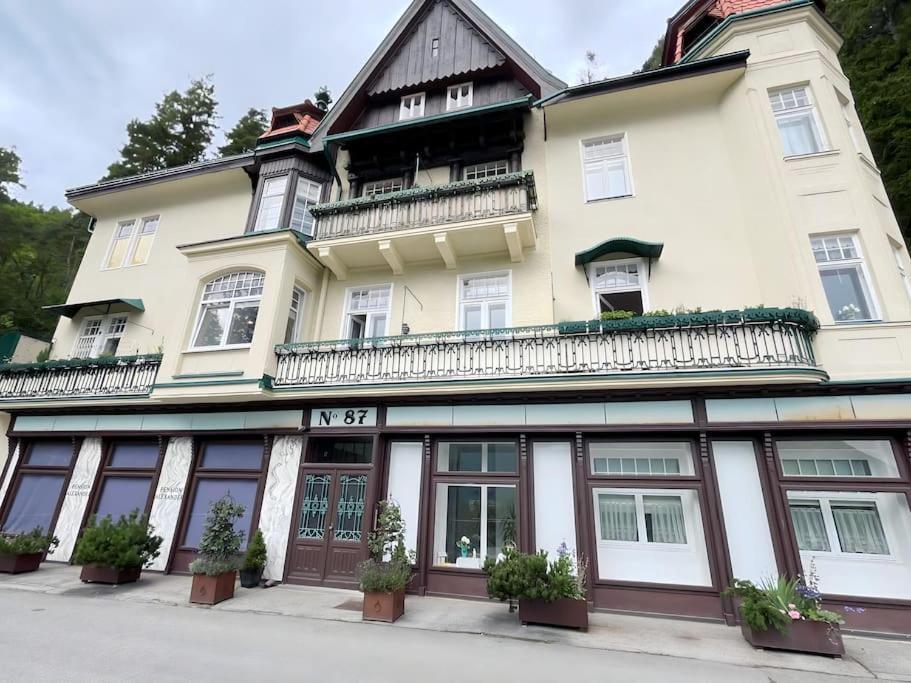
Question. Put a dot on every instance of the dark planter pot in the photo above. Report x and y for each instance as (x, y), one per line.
(251, 578)
(384, 606)
(565, 612)
(811, 637)
(94, 573)
(19, 564)
(211, 590)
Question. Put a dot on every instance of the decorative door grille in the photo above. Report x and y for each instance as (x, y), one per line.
(350, 509)
(315, 506)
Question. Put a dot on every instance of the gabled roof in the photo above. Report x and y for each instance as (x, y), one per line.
(541, 82)
(297, 119)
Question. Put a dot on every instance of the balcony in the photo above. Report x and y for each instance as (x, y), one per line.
(89, 378)
(425, 223)
(776, 340)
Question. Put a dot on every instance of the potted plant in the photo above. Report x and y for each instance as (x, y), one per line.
(115, 552)
(386, 573)
(786, 614)
(251, 572)
(21, 553)
(215, 570)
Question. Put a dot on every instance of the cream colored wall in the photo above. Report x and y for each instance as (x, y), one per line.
(27, 350)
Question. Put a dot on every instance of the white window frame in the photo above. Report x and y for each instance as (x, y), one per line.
(370, 314)
(136, 228)
(258, 223)
(847, 113)
(485, 303)
(297, 312)
(435, 48)
(825, 500)
(596, 291)
(461, 101)
(898, 253)
(624, 158)
(393, 184)
(106, 332)
(416, 111)
(486, 169)
(800, 111)
(643, 542)
(232, 304)
(858, 262)
(307, 193)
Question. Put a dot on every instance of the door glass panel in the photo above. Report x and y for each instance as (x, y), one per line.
(51, 453)
(121, 495)
(314, 506)
(349, 515)
(35, 503)
(342, 452)
(501, 519)
(243, 491)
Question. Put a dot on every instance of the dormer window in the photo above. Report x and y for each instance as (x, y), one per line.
(435, 47)
(270, 205)
(458, 96)
(273, 214)
(306, 195)
(412, 106)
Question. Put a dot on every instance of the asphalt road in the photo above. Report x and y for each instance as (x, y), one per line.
(67, 638)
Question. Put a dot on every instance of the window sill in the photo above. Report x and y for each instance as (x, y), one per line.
(637, 545)
(598, 200)
(813, 155)
(848, 557)
(849, 323)
(209, 349)
(128, 267)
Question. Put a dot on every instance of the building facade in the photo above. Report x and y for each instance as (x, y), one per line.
(664, 319)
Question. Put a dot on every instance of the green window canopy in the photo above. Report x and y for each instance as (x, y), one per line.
(620, 245)
(101, 307)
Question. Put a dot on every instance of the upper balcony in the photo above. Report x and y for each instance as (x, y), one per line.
(425, 223)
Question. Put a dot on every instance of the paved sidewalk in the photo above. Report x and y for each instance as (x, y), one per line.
(709, 642)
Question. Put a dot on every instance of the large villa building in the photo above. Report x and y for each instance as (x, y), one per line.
(663, 318)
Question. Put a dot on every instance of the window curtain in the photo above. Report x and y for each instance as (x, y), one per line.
(809, 527)
(798, 135)
(860, 530)
(664, 519)
(618, 517)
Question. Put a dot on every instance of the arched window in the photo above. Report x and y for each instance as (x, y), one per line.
(228, 310)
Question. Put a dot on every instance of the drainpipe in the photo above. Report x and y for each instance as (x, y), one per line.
(321, 305)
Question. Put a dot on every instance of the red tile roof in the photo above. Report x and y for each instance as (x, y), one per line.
(299, 119)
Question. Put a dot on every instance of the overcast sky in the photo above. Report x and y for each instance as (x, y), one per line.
(74, 72)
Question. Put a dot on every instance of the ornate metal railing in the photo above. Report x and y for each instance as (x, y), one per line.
(92, 377)
(723, 340)
(467, 200)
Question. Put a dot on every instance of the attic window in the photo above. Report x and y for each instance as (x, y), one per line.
(284, 121)
(412, 106)
(435, 47)
(458, 96)
(693, 33)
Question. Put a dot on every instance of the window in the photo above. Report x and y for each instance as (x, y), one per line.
(100, 336)
(411, 107)
(459, 96)
(127, 478)
(367, 312)
(836, 523)
(457, 456)
(838, 458)
(341, 451)
(435, 47)
(844, 278)
(306, 195)
(270, 204)
(797, 120)
(132, 244)
(641, 518)
(484, 514)
(381, 187)
(228, 310)
(649, 459)
(486, 170)
(899, 254)
(293, 332)
(38, 487)
(618, 286)
(605, 166)
(485, 301)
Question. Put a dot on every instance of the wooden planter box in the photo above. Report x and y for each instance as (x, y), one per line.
(563, 612)
(19, 564)
(812, 637)
(384, 606)
(94, 573)
(211, 590)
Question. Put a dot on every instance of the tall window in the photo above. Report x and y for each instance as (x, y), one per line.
(127, 478)
(132, 242)
(485, 301)
(605, 163)
(228, 310)
(411, 106)
(293, 327)
(459, 96)
(486, 170)
(797, 120)
(381, 187)
(618, 286)
(844, 278)
(837, 524)
(306, 195)
(38, 486)
(270, 204)
(367, 312)
(100, 336)
(898, 253)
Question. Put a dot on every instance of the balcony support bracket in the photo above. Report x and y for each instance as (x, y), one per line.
(328, 256)
(513, 241)
(392, 256)
(444, 246)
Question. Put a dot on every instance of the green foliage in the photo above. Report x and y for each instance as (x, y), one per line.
(9, 171)
(322, 98)
(220, 543)
(617, 315)
(35, 541)
(44, 354)
(256, 553)
(128, 543)
(654, 59)
(376, 576)
(389, 531)
(520, 575)
(242, 138)
(775, 604)
(387, 537)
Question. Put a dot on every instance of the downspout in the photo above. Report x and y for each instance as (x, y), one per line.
(321, 306)
(338, 179)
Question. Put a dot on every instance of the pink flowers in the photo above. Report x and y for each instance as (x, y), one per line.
(794, 614)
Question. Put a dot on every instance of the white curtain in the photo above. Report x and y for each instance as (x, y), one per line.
(809, 527)
(859, 529)
(618, 517)
(664, 519)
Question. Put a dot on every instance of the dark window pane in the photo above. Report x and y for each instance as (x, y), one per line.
(501, 457)
(121, 495)
(207, 492)
(135, 455)
(465, 457)
(233, 455)
(621, 301)
(50, 453)
(463, 518)
(35, 503)
(342, 451)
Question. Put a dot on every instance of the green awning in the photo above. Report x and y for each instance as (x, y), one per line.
(101, 307)
(620, 245)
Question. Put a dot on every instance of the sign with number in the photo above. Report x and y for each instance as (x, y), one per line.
(343, 417)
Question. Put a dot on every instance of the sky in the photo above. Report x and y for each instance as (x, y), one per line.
(74, 72)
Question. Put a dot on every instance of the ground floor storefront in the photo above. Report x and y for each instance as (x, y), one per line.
(668, 497)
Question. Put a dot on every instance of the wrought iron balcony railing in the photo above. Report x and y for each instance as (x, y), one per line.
(92, 377)
(466, 200)
(759, 338)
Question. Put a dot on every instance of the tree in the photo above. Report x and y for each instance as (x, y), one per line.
(9, 171)
(654, 60)
(592, 70)
(322, 98)
(179, 132)
(242, 138)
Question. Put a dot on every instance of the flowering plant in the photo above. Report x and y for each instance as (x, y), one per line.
(464, 543)
(848, 312)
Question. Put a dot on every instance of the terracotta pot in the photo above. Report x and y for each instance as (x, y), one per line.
(211, 590)
(95, 573)
(563, 612)
(251, 578)
(384, 606)
(811, 637)
(19, 564)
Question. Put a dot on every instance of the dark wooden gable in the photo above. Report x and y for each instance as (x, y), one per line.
(462, 50)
